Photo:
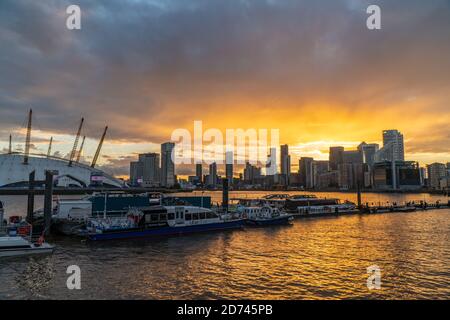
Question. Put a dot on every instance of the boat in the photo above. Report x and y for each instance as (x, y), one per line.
(310, 205)
(16, 240)
(19, 246)
(266, 216)
(70, 215)
(159, 221)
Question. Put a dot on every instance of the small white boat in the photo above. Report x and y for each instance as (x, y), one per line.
(18, 246)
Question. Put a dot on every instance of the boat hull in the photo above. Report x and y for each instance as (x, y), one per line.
(283, 220)
(26, 251)
(167, 231)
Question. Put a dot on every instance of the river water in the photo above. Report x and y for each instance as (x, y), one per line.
(320, 258)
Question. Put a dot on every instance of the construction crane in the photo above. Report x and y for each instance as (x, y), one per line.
(50, 147)
(75, 144)
(99, 148)
(28, 138)
(81, 149)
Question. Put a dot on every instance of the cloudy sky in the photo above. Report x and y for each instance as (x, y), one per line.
(146, 67)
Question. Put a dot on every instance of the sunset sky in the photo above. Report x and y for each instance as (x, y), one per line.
(146, 67)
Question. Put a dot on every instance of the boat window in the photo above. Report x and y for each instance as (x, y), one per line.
(210, 215)
(154, 217)
(163, 216)
(202, 215)
(177, 215)
(171, 216)
(188, 217)
(195, 216)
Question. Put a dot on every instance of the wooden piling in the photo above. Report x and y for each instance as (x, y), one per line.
(30, 206)
(48, 199)
(225, 194)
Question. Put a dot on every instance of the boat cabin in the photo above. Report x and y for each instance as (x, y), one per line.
(176, 215)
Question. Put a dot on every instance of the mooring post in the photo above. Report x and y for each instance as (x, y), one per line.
(30, 207)
(225, 194)
(359, 195)
(48, 198)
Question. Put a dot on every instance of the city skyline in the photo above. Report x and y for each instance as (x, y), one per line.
(370, 166)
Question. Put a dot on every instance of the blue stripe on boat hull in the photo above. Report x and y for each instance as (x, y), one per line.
(167, 231)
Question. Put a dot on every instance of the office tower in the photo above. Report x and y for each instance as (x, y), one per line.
(319, 167)
(150, 169)
(398, 175)
(351, 171)
(212, 177)
(336, 157)
(285, 160)
(136, 173)
(436, 171)
(167, 165)
(393, 140)
(229, 167)
(251, 173)
(352, 156)
(306, 172)
(271, 166)
(199, 172)
(368, 151)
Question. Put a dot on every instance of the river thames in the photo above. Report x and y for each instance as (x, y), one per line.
(319, 258)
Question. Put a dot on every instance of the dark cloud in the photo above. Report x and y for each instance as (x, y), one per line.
(147, 67)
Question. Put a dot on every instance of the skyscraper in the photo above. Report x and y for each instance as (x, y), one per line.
(212, 174)
(336, 157)
(229, 167)
(393, 139)
(167, 165)
(271, 166)
(136, 173)
(306, 172)
(150, 169)
(368, 151)
(436, 171)
(199, 172)
(285, 160)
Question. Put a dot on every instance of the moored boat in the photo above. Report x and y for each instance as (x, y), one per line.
(265, 216)
(310, 206)
(159, 221)
(19, 246)
(16, 240)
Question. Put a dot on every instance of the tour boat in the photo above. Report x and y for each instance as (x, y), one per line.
(310, 205)
(265, 216)
(159, 221)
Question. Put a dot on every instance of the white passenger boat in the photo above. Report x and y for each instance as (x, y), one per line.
(159, 221)
(16, 240)
(19, 246)
(265, 216)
